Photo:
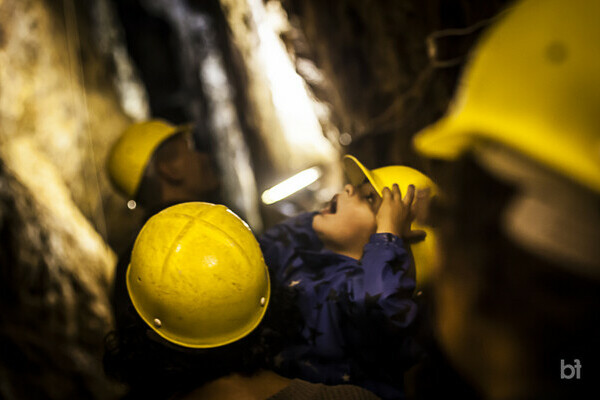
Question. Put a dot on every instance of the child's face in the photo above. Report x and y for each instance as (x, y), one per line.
(348, 221)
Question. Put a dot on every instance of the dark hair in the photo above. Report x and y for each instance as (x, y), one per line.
(553, 311)
(151, 366)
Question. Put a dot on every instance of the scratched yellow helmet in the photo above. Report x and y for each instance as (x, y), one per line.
(197, 276)
(533, 86)
(424, 252)
(131, 153)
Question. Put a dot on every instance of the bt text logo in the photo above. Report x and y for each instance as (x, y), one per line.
(568, 371)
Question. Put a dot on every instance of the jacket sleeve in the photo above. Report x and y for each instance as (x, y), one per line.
(281, 242)
(380, 289)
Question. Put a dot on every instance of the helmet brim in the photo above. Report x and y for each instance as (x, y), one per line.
(357, 173)
(444, 140)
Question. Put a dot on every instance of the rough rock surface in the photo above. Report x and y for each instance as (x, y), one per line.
(59, 113)
(390, 66)
(55, 271)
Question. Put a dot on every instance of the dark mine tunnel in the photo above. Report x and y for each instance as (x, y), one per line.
(299, 199)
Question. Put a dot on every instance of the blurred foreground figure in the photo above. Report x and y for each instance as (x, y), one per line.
(156, 165)
(517, 291)
(206, 323)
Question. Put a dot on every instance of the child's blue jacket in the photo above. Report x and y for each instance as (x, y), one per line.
(358, 314)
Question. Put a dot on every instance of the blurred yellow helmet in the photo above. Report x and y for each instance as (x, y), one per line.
(131, 153)
(197, 276)
(424, 252)
(533, 86)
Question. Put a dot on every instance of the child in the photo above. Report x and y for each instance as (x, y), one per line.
(353, 280)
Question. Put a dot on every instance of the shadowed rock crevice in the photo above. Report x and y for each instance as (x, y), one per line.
(52, 301)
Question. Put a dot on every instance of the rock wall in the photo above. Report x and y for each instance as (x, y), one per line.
(55, 271)
(59, 113)
(390, 67)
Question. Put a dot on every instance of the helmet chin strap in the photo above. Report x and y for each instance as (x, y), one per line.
(550, 216)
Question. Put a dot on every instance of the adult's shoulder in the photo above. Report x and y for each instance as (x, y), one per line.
(303, 390)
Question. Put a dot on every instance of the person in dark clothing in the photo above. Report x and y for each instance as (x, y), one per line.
(205, 321)
(352, 271)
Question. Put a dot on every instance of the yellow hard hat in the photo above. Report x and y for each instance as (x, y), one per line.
(425, 251)
(533, 85)
(197, 276)
(131, 153)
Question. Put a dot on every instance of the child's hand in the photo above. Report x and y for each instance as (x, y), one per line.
(395, 214)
